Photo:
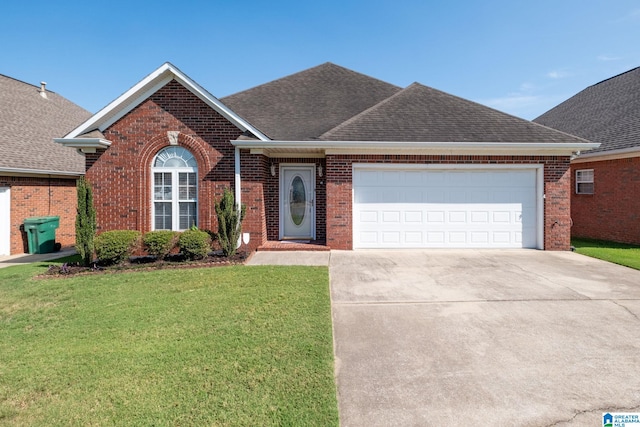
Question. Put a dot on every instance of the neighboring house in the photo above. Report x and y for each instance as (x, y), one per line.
(37, 176)
(605, 188)
(328, 155)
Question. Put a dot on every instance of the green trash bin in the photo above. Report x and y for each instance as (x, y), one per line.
(41, 233)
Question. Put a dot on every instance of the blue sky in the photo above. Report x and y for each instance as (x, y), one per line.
(519, 57)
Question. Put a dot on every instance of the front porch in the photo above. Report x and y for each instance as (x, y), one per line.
(294, 245)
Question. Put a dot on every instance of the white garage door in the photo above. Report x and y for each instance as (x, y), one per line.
(453, 208)
(5, 221)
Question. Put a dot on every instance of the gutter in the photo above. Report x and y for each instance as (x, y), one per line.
(622, 153)
(84, 145)
(39, 172)
(387, 147)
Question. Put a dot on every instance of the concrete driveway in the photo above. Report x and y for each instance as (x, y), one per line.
(483, 337)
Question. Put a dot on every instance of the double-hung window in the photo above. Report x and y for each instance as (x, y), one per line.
(175, 190)
(584, 181)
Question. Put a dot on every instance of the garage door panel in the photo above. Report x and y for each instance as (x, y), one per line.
(459, 213)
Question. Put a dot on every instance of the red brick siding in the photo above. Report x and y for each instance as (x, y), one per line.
(255, 177)
(41, 197)
(121, 175)
(613, 211)
(339, 187)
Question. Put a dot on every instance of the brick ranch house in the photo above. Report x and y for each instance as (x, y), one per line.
(605, 186)
(329, 155)
(37, 176)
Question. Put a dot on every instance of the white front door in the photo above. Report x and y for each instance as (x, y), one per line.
(297, 204)
(5, 221)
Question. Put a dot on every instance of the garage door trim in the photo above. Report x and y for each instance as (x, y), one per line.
(537, 168)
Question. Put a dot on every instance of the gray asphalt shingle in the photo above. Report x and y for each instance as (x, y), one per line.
(305, 105)
(607, 112)
(28, 124)
(329, 102)
(421, 113)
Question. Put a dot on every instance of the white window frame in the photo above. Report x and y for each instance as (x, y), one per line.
(585, 176)
(175, 200)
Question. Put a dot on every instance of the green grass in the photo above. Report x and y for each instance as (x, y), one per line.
(619, 253)
(218, 347)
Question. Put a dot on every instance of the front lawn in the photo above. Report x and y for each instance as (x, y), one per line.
(218, 346)
(619, 253)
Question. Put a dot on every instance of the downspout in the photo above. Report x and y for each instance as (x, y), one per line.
(237, 182)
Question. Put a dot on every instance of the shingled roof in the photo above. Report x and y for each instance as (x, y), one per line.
(28, 124)
(421, 113)
(307, 104)
(607, 112)
(332, 103)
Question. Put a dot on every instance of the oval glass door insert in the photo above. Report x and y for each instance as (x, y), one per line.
(297, 200)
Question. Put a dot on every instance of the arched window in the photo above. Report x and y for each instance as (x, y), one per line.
(175, 189)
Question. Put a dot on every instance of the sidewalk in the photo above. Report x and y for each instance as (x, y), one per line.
(8, 261)
(314, 258)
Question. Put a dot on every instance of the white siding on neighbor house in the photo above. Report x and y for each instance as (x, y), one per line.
(5, 221)
(410, 207)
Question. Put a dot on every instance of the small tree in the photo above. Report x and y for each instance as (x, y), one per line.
(85, 222)
(229, 223)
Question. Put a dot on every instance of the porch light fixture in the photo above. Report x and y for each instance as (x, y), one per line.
(320, 171)
(273, 169)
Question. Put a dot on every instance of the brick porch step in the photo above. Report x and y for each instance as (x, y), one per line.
(294, 245)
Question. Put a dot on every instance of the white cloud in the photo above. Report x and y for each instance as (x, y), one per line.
(527, 106)
(608, 58)
(558, 74)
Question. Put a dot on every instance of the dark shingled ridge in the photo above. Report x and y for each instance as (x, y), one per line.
(307, 104)
(607, 112)
(421, 113)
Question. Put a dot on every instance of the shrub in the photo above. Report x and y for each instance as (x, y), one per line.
(229, 222)
(160, 242)
(113, 247)
(85, 222)
(194, 244)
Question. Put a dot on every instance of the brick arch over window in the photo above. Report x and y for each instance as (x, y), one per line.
(205, 188)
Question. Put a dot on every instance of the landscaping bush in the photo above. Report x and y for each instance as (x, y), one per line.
(194, 244)
(229, 222)
(159, 243)
(113, 247)
(85, 222)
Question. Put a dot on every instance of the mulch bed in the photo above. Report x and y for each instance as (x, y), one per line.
(144, 263)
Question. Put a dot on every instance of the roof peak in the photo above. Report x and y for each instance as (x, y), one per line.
(616, 76)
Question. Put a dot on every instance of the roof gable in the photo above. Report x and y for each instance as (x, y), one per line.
(28, 123)
(423, 114)
(607, 112)
(307, 104)
(148, 86)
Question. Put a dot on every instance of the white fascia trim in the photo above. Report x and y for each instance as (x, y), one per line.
(38, 172)
(401, 147)
(623, 153)
(85, 145)
(148, 86)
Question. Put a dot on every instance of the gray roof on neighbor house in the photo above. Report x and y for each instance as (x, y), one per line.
(307, 104)
(607, 112)
(28, 124)
(421, 113)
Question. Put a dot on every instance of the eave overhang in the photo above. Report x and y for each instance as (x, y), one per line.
(322, 148)
(23, 172)
(84, 145)
(623, 153)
